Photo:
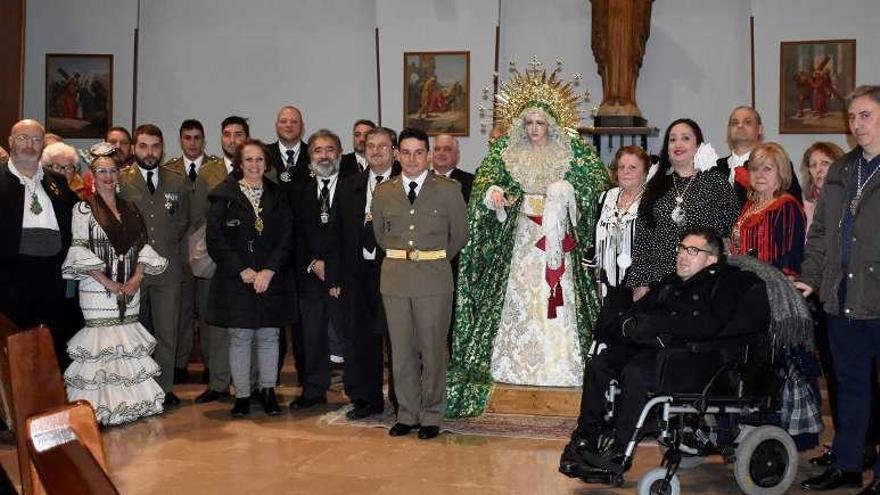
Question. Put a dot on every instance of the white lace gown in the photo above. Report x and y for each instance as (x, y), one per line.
(112, 368)
(529, 348)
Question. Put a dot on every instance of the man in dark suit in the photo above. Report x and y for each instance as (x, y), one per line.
(288, 156)
(162, 196)
(744, 133)
(356, 161)
(420, 220)
(35, 216)
(444, 160)
(120, 138)
(317, 267)
(363, 314)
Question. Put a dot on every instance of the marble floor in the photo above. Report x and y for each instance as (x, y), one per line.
(199, 449)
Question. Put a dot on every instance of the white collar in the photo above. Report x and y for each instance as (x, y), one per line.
(38, 176)
(228, 163)
(420, 180)
(738, 160)
(385, 175)
(198, 161)
(283, 149)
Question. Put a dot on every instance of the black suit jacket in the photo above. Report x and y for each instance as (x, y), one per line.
(466, 179)
(12, 210)
(315, 240)
(723, 166)
(277, 162)
(348, 165)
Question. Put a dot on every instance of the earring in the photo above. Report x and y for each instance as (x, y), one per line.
(118, 188)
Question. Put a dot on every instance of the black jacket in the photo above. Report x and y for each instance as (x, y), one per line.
(723, 166)
(719, 301)
(12, 209)
(278, 163)
(234, 244)
(315, 240)
(466, 179)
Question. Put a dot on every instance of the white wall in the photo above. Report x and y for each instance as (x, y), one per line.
(212, 58)
(798, 20)
(209, 59)
(407, 25)
(84, 26)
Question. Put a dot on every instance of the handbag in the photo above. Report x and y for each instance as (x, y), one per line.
(199, 260)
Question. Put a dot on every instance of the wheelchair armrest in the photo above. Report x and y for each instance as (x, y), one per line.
(726, 343)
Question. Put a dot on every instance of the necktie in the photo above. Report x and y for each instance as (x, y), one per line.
(290, 159)
(379, 179)
(412, 191)
(192, 172)
(325, 191)
(150, 185)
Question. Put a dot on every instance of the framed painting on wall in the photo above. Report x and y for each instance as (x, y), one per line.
(79, 94)
(814, 79)
(436, 92)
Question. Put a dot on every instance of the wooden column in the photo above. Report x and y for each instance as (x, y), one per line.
(12, 15)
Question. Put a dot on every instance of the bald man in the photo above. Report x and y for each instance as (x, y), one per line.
(35, 215)
(444, 160)
(289, 155)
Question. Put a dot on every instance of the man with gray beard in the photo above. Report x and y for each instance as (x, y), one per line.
(316, 263)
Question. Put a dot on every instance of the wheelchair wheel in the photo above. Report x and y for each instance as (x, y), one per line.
(766, 461)
(652, 483)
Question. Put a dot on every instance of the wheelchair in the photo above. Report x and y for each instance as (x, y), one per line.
(734, 415)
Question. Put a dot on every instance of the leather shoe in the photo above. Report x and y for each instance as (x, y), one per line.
(304, 402)
(361, 412)
(827, 458)
(400, 429)
(241, 408)
(873, 488)
(428, 432)
(210, 396)
(270, 402)
(171, 400)
(833, 478)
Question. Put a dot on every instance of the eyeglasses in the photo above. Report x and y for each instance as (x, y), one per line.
(61, 168)
(691, 250)
(379, 147)
(22, 139)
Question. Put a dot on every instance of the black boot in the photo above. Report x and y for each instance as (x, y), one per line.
(242, 407)
(270, 402)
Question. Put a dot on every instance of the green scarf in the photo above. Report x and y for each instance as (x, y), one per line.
(484, 268)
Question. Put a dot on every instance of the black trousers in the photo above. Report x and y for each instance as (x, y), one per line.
(32, 293)
(365, 330)
(311, 348)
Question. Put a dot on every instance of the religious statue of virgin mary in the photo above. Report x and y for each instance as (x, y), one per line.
(525, 303)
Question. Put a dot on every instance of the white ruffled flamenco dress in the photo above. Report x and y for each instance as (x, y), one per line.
(112, 368)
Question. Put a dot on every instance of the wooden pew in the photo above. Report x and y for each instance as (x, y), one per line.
(66, 450)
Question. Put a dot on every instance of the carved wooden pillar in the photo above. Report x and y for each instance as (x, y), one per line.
(619, 33)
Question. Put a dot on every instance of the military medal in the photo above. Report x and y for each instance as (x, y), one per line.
(285, 176)
(36, 208)
(325, 217)
(258, 225)
(860, 186)
(368, 217)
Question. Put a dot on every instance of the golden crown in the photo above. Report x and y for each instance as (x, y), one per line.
(535, 87)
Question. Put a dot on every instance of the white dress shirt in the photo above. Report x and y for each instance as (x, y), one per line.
(198, 162)
(736, 161)
(296, 148)
(46, 219)
(330, 185)
(155, 175)
(371, 188)
(420, 181)
(228, 163)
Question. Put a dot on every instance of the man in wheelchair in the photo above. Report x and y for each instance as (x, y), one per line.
(643, 349)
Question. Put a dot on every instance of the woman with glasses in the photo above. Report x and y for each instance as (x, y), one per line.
(112, 368)
(685, 192)
(62, 158)
(771, 223)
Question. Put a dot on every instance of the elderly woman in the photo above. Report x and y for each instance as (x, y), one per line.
(771, 223)
(685, 192)
(112, 368)
(62, 158)
(531, 221)
(617, 221)
(814, 166)
(249, 236)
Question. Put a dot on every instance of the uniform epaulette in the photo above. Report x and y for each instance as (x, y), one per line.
(393, 180)
(211, 158)
(174, 170)
(174, 161)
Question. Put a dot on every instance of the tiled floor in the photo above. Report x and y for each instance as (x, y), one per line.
(198, 449)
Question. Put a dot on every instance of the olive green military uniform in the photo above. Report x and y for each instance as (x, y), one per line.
(188, 283)
(166, 215)
(417, 293)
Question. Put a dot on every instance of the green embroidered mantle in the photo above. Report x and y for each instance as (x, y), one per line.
(484, 267)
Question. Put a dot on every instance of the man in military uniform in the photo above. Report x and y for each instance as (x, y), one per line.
(193, 159)
(420, 220)
(234, 131)
(162, 196)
